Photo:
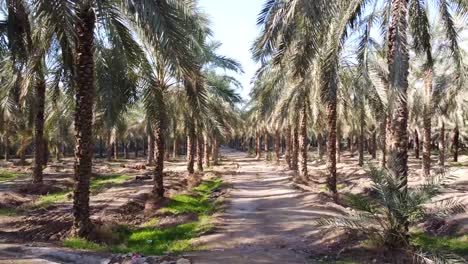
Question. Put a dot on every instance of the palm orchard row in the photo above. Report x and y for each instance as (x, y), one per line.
(374, 72)
(111, 71)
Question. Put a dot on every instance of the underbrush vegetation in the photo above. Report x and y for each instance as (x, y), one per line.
(97, 185)
(8, 176)
(386, 216)
(457, 245)
(150, 240)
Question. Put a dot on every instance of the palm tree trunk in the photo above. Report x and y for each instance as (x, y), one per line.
(442, 144)
(200, 153)
(175, 148)
(416, 144)
(267, 146)
(85, 93)
(100, 147)
(125, 149)
(7, 145)
(57, 154)
(259, 146)
(109, 146)
(145, 143)
(158, 184)
(191, 146)
(288, 144)
(40, 88)
(303, 142)
(319, 145)
(398, 62)
(151, 144)
(295, 147)
(331, 145)
(361, 137)
(351, 146)
(207, 150)
(455, 143)
(277, 145)
(374, 144)
(215, 151)
(427, 124)
(383, 142)
(338, 143)
(116, 149)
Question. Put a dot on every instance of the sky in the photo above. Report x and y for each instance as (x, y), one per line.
(234, 23)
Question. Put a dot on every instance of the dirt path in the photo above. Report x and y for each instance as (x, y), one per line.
(267, 220)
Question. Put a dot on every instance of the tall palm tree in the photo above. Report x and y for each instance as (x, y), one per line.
(77, 21)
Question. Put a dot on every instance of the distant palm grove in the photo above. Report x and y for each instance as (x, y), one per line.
(123, 79)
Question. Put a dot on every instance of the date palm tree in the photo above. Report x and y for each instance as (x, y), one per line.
(74, 22)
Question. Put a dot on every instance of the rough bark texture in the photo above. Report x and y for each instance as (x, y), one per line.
(85, 93)
(207, 150)
(295, 148)
(455, 143)
(151, 145)
(331, 146)
(200, 154)
(160, 148)
(288, 144)
(442, 145)
(374, 145)
(351, 146)
(267, 146)
(215, 152)
(416, 144)
(39, 157)
(398, 61)
(303, 142)
(427, 124)
(338, 143)
(361, 137)
(277, 146)
(191, 146)
(109, 146)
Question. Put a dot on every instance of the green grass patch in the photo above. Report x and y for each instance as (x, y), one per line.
(104, 182)
(457, 245)
(8, 176)
(196, 202)
(150, 241)
(97, 185)
(50, 199)
(156, 241)
(324, 188)
(78, 243)
(8, 212)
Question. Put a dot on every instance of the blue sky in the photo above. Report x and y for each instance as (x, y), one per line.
(234, 23)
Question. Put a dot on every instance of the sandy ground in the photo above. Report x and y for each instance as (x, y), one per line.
(268, 218)
(267, 221)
